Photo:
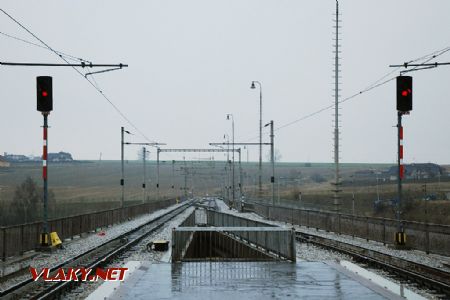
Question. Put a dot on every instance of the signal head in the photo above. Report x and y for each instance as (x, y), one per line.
(44, 93)
(404, 93)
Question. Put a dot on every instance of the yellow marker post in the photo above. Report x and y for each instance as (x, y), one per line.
(55, 240)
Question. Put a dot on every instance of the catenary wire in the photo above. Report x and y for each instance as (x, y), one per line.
(81, 74)
(68, 56)
(379, 82)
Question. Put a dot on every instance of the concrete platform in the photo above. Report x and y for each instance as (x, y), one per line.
(246, 280)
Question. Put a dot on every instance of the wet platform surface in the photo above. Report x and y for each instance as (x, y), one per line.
(242, 280)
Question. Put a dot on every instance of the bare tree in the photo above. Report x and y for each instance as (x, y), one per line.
(26, 201)
(276, 155)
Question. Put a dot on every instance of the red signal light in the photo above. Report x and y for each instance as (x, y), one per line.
(44, 94)
(406, 92)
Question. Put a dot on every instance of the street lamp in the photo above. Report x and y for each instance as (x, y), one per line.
(260, 133)
(232, 138)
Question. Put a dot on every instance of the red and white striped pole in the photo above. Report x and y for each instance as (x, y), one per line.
(45, 106)
(45, 235)
(44, 152)
(400, 150)
(400, 235)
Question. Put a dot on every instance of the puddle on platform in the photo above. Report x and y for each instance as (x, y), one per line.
(242, 280)
(398, 289)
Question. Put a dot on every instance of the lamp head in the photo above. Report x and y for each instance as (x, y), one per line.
(228, 116)
(253, 85)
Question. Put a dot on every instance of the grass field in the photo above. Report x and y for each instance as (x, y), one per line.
(86, 186)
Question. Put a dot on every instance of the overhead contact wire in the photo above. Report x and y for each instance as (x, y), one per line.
(81, 74)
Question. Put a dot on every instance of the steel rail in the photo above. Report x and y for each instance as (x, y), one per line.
(429, 277)
(38, 290)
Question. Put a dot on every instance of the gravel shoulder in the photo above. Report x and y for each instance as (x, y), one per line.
(82, 244)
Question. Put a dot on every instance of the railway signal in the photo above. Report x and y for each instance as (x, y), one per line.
(45, 106)
(404, 93)
(404, 106)
(44, 94)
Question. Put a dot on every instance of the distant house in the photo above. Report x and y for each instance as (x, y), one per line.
(15, 157)
(419, 171)
(3, 162)
(60, 157)
(51, 157)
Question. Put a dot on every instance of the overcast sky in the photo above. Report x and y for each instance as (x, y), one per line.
(192, 62)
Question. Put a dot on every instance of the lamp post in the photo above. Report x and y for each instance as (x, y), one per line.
(260, 134)
(232, 166)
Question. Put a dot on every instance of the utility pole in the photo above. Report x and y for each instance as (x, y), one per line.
(378, 189)
(240, 177)
(234, 144)
(198, 150)
(233, 180)
(157, 173)
(233, 197)
(144, 151)
(185, 177)
(272, 159)
(227, 168)
(353, 194)
(192, 178)
(123, 143)
(173, 174)
(260, 135)
(337, 182)
(122, 180)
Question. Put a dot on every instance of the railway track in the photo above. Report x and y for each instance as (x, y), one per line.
(94, 258)
(432, 278)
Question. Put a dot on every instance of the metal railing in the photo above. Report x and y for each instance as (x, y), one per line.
(218, 219)
(431, 238)
(17, 239)
(223, 243)
(270, 239)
